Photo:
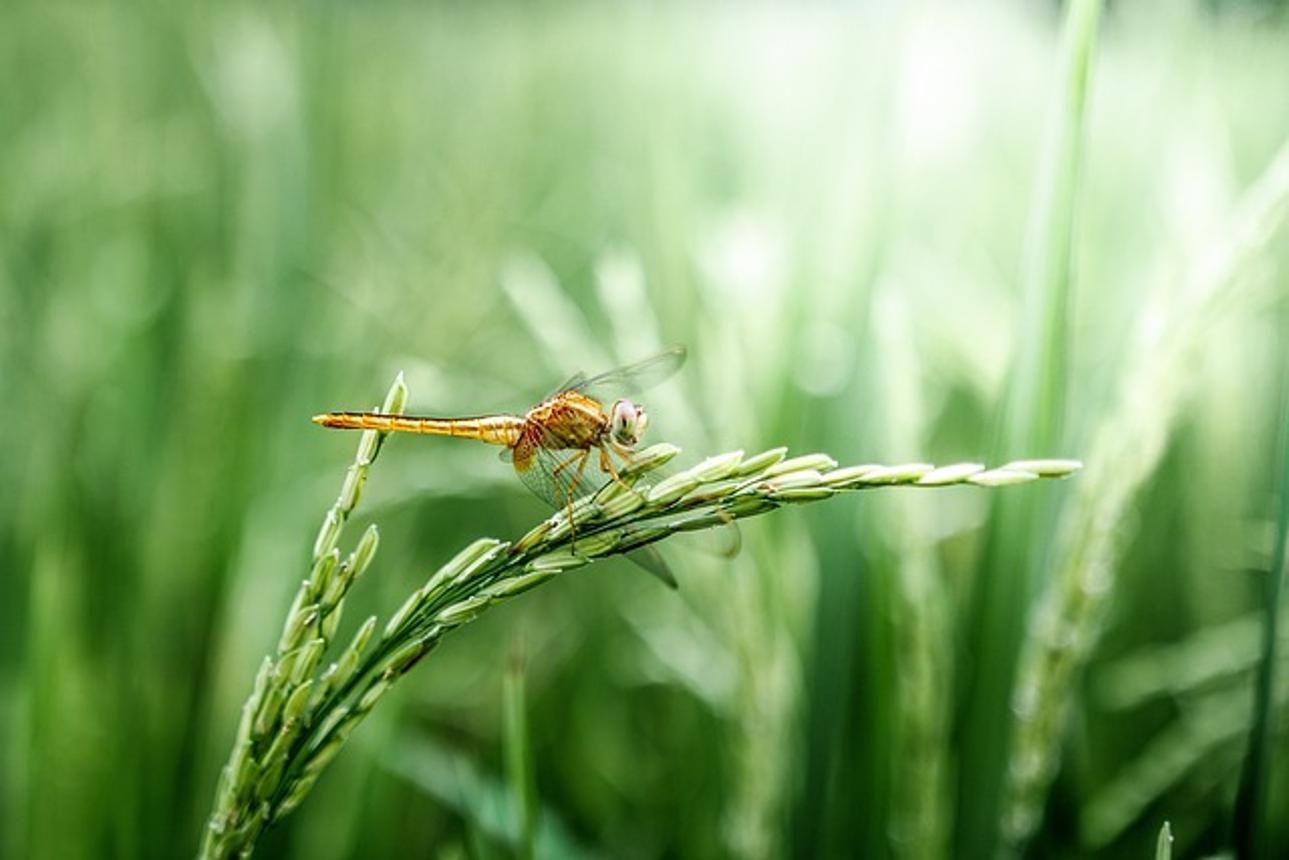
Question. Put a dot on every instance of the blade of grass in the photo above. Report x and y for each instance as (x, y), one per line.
(1125, 451)
(457, 782)
(1222, 653)
(1032, 420)
(1250, 806)
(1208, 733)
(918, 825)
(519, 759)
(299, 716)
(1164, 844)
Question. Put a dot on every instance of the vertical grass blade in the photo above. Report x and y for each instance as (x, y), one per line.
(1124, 452)
(1036, 397)
(1249, 838)
(920, 756)
(1164, 844)
(519, 759)
(1032, 421)
(1126, 448)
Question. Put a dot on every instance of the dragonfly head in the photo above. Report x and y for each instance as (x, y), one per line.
(627, 423)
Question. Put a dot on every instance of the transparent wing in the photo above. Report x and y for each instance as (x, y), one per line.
(559, 477)
(573, 383)
(630, 379)
(725, 541)
(648, 559)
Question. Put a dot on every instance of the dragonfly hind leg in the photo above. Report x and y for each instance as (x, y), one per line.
(570, 489)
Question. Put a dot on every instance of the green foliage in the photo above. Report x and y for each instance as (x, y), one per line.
(1251, 802)
(218, 221)
(1034, 404)
(295, 722)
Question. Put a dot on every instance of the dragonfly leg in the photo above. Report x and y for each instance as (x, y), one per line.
(581, 467)
(570, 461)
(570, 490)
(606, 466)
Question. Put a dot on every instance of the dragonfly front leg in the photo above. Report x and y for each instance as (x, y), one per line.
(606, 466)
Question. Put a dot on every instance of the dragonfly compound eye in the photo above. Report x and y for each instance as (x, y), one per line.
(642, 421)
(629, 421)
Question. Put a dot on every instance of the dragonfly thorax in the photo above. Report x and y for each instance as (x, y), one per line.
(627, 423)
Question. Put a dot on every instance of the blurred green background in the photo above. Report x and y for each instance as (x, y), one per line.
(217, 221)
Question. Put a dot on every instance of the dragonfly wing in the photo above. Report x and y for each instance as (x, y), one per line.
(725, 541)
(651, 561)
(573, 383)
(558, 477)
(631, 379)
(722, 541)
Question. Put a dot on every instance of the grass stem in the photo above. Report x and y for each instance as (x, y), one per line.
(295, 733)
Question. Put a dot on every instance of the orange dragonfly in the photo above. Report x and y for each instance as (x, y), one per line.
(551, 444)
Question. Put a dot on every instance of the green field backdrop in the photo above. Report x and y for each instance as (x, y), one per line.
(887, 232)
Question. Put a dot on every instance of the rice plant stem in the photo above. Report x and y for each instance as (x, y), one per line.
(296, 732)
(1125, 450)
(1250, 806)
(653, 524)
(1033, 420)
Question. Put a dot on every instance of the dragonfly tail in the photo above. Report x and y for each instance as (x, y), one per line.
(496, 429)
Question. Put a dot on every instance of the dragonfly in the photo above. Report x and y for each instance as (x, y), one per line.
(566, 446)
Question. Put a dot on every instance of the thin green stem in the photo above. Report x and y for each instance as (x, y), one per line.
(519, 761)
(300, 721)
(1250, 806)
(1033, 420)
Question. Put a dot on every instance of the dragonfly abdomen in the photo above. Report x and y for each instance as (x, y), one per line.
(494, 429)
